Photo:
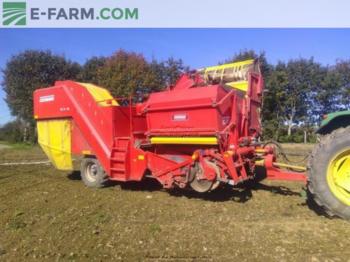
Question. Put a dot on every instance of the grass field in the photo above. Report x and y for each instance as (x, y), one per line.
(50, 215)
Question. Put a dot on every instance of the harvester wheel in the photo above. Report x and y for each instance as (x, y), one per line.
(203, 185)
(92, 173)
(329, 173)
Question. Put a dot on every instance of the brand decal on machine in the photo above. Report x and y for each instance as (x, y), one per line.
(48, 98)
(226, 120)
(180, 117)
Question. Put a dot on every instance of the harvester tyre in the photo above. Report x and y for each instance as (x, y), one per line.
(329, 173)
(204, 185)
(92, 173)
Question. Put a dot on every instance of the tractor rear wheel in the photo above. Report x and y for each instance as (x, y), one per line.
(92, 173)
(329, 173)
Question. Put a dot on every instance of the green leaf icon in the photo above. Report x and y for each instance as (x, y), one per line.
(14, 13)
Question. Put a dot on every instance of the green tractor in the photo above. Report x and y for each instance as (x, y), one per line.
(329, 166)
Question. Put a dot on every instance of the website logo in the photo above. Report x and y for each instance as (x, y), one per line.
(14, 13)
(25, 13)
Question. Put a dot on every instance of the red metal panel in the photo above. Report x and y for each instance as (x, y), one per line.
(68, 99)
(188, 111)
(79, 144)
(52, 103)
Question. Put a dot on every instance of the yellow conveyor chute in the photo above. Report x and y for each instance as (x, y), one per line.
(231, 74)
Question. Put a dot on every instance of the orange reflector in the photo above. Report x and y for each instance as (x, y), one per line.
(194, 156)
(86, 152)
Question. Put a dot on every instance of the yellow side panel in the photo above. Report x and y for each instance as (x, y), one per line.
(242, 85)
(185, 140)
(54, 137)
(100, 95)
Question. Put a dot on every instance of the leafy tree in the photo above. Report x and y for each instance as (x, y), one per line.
(272, 104)
(305, 77)
(291, 92)
(167, 72)
(159, 75)
(173, 69)
(295, 94)
(28, 71)
(126, 73)
(89, 72)
(327, 97)
(13, 132)
(342, 70)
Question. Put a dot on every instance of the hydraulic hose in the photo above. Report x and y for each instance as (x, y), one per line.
(280, 152)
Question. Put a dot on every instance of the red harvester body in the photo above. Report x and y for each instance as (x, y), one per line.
(200, 132)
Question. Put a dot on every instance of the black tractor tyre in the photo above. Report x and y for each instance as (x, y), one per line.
(321, 166)
(92, 173)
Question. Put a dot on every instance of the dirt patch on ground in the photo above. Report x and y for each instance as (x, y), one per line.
(50, 215)
(2, 146)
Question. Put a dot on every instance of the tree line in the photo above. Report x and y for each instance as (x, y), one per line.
(122, 73)
(297, 92)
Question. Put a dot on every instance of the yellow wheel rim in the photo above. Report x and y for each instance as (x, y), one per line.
(338, 176)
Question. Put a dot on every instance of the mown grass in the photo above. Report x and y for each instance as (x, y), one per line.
(18, 145)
